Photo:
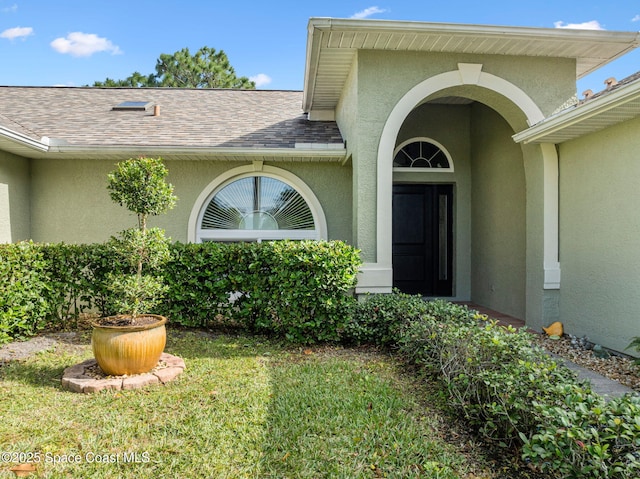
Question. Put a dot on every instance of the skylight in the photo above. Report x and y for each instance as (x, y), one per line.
(132, 106)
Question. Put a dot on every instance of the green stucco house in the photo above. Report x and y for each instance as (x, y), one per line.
(457, 158)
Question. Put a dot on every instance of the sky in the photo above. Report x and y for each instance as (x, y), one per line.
(78, 42)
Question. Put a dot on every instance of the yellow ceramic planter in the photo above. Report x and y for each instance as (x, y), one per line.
(129, 350)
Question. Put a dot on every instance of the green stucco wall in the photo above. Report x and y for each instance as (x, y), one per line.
(14, 198)
(73, 192)
(498, 202)
(346, 117)
(600, 235)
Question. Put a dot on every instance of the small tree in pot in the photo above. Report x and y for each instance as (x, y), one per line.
(139, 185)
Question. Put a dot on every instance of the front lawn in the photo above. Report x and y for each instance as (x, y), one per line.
(245, 407)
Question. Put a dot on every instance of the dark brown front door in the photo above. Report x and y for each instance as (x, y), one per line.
(423, 239)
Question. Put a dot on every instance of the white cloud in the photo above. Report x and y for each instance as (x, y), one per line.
(12, 9)
(367, 12)
(17, 32)
(636, 18)
(80, 44)
(592, 25)
(260, 79)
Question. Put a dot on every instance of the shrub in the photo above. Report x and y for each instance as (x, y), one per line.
(492, 373)
(299, 289)
(197, 278)
(24, 290)
(78, 278)
(515, 395)
(376, 319)
(586, 437)
(102, 262)
(427, 340)
(74, 273)
(295, 289)
(65, 265)
(448, 312)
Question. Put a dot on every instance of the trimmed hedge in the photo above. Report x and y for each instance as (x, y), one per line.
(299, 290)
(583, 436)
(511, 393)
(24, 290)
(51, 284)
(78, 278)
(493, 375)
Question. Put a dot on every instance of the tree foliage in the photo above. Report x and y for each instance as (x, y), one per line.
(135, 80)
(207, 68)
(139, 184)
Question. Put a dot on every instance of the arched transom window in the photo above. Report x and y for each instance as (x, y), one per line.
(259, 206)
(422, 153)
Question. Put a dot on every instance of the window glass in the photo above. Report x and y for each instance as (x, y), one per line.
(256, 208)
(420, 154)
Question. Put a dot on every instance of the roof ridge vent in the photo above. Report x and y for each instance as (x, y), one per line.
(610, 82)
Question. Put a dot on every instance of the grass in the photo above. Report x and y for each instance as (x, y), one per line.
(245, 407)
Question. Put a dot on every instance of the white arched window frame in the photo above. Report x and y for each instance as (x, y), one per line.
(424, 166)
(199, 234)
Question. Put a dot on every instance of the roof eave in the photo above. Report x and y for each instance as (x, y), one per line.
(606, 61)
(22, 140)
(621, 42)
(320, 153)
(541, 132)
(311, 66)
(325, 24)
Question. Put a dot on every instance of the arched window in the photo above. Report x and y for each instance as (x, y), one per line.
(258, 206)
(422, 153)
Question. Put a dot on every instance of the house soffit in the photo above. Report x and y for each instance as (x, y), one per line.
(332, 45)
(34, 149)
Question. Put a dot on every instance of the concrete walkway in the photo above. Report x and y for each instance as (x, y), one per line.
(600, 384)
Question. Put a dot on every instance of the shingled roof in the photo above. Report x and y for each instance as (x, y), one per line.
(82, 119)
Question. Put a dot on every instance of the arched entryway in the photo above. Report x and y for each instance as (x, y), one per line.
(502, 102)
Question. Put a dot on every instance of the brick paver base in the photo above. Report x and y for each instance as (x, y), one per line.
(80, 379)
